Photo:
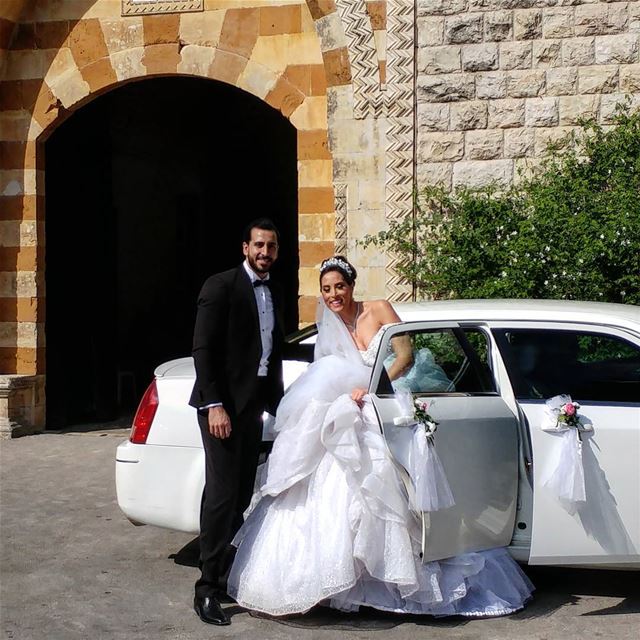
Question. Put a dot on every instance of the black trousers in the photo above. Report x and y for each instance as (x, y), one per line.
(230, 471)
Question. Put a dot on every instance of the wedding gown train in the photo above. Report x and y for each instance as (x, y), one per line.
(331, 522)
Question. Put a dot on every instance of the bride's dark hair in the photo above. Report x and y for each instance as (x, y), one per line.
(341, 265)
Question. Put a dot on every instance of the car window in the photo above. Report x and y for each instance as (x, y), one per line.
(299, 345)
(588, 366)
(306, 335)
(442, 361)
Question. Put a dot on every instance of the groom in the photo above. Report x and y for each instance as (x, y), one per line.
(237, 349)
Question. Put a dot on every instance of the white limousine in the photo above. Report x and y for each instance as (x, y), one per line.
(500, 360)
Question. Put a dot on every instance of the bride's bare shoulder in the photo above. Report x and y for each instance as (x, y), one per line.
(377, 305)
(382, 311)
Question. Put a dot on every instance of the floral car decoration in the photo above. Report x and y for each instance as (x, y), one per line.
(423, 418)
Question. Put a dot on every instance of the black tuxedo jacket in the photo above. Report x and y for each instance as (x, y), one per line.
(227, 346)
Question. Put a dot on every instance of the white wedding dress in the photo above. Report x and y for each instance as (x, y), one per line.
(331, 522)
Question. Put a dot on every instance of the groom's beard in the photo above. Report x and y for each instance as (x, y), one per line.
(267, 264)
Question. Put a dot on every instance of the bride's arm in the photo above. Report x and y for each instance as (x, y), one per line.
(401, 345)
(403, 349)
(383, 313)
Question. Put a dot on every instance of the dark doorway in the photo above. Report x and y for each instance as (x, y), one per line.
(148, 189)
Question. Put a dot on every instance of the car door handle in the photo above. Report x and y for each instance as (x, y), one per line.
(404, 421)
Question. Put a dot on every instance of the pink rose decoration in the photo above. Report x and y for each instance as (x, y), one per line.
(569, 409)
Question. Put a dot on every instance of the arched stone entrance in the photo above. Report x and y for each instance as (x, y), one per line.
(149, 187)
(321, 63)
(273, 53)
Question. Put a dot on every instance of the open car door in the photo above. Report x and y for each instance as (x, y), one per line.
(476, 437)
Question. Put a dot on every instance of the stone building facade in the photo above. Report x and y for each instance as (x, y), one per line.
(498, 80)
(381, 93)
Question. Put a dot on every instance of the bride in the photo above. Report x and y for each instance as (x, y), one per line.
(331, 522)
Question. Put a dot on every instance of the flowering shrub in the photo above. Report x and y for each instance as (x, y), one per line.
(571, 230)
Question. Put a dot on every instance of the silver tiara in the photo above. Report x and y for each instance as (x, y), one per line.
(336, 262)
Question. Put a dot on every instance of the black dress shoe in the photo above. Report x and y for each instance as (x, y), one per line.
(209, 610)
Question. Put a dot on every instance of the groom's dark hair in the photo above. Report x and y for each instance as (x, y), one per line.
(260, 223)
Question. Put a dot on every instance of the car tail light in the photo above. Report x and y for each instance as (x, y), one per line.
(144, 415)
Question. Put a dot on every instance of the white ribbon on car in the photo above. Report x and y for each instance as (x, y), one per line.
(565, 475)
(427, 473)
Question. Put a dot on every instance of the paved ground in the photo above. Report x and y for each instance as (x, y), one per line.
(72, 567)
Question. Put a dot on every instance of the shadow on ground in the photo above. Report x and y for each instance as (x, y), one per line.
(556, 582)
(556, 588)
(122, 423)
(188, 555)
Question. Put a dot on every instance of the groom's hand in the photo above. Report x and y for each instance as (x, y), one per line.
(219, 422)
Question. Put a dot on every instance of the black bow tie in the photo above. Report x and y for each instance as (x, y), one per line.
(261, 283)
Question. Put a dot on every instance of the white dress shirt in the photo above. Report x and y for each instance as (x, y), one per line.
(265, 316)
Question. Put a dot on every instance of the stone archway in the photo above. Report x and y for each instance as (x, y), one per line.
(310, 60)
(238, 46)
(242, 47)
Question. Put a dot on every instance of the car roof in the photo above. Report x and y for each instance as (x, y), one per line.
(622, 315)
(504, 309)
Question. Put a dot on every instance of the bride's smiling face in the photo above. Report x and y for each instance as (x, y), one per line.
(336, 292)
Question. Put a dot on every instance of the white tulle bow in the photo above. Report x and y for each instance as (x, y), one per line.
(565, 475)
(427, 473)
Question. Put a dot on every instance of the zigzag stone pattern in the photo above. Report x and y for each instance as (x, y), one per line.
(368, 98)
(342, 230)
(399, 103)
(130, 8)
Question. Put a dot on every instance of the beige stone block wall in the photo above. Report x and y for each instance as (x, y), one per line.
(358, 147)
(499, 80)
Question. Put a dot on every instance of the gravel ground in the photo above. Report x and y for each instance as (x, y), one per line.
(72, 567)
